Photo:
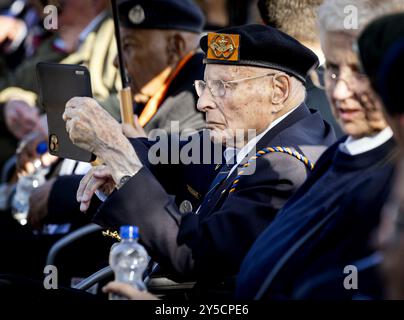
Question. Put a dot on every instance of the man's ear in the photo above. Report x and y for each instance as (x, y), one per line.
(175, 48)
(280, 91)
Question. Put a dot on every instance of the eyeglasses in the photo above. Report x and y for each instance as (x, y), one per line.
(218, 87)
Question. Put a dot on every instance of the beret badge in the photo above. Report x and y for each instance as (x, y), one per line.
(136, 15)
(223, 46)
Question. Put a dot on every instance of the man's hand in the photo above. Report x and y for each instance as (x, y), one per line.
(38, 204)
(127, 291)
(11, 29)
(98, 178)
(20, 118)
(92, 128)
(135, 131)
(26, 153)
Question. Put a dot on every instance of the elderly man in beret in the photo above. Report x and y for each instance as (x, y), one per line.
(254, 79)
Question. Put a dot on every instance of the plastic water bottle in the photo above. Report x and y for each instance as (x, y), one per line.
(25, 185)
(128, 259)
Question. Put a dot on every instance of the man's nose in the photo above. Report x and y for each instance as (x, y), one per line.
(205, 101)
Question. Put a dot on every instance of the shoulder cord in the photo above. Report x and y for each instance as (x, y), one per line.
(265, 151)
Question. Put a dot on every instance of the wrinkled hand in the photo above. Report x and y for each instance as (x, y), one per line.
(98, 178)
(20, 118)
(90, 126)
(127, 291)
(26, 153)
(38, 204)
(135, 131)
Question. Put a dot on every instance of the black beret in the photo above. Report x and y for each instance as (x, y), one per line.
(161, 14)
(381, 50)
(260, 46)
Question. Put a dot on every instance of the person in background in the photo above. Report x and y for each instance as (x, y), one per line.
(328, 222)
(86, 38)
(215, 13)
(298, 18)
(20, 34)
(161, 59)
(381, 48)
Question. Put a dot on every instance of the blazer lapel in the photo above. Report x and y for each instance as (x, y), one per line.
(297, 115)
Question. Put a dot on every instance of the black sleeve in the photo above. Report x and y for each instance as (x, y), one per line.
(165, 173)
(62, 204)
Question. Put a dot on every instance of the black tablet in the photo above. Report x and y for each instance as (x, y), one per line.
(57, 84)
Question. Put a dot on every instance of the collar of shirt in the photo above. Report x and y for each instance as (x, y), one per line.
(240, 154)
(354, 147)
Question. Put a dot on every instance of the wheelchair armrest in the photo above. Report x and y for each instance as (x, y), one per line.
(94, 278)
(70, 238)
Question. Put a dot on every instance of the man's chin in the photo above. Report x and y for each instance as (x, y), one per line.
(220, 136)
(216, 137)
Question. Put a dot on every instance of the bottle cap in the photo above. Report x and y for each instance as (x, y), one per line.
(42, 148)
(129, 232)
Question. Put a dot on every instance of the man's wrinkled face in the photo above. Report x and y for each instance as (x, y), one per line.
(145, 55)
(244, 105)
(355, 105)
